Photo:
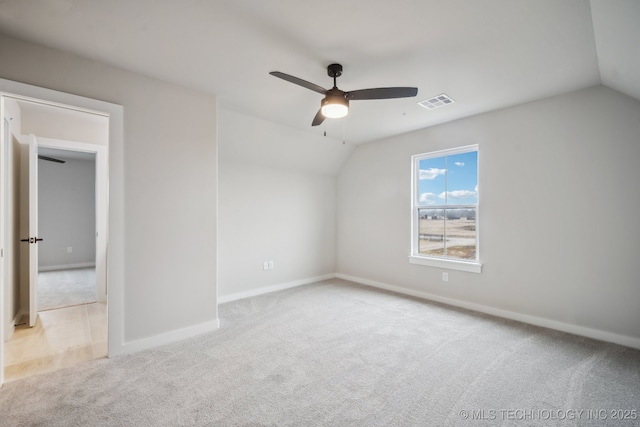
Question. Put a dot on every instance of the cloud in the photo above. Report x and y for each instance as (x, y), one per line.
(427, 198)
(460, 164)
(458, 194)
(431, 173)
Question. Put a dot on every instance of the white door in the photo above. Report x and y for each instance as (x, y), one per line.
(29, 222)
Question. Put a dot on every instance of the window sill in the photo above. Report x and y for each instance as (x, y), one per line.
(472, 267)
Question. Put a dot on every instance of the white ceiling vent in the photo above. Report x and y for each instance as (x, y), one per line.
(436, 102)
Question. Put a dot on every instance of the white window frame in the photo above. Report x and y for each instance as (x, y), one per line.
(440, 262)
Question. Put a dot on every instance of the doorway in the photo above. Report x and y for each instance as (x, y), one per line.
(66, 223)
(71, 327)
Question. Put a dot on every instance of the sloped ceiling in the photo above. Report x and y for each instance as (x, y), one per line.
(484, 54)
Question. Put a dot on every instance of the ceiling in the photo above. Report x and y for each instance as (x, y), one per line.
(484, 54)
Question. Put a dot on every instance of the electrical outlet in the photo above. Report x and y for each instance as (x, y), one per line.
(265, 265)
(445, 277)
(270, 265)
(69, 249)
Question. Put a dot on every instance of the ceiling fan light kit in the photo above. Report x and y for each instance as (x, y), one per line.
(335, 103)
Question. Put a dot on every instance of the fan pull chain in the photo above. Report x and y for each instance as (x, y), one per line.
(344, 131)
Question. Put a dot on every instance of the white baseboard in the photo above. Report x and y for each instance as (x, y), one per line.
(168, 337)
(274, 288)
(180, 334)
(525, 318)
(67, 266)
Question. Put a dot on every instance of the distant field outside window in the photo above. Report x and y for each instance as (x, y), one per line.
(445, 205)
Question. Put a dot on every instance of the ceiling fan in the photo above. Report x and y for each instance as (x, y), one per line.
(335, 103)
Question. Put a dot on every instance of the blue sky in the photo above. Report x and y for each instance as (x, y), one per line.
(451, 180)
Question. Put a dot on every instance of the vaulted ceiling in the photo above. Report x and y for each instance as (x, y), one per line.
(484, 54)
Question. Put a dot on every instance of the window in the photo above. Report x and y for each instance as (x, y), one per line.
(445, 209)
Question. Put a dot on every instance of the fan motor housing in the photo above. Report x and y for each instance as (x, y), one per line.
(335, 96)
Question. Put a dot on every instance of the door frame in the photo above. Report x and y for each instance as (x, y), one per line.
(114, 209)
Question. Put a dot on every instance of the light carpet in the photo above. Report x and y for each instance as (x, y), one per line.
(339, 354)
(65, 288)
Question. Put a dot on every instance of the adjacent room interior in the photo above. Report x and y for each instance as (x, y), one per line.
(430, 258)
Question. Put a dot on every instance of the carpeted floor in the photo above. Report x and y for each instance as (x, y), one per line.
(65, 288)
(339, 354)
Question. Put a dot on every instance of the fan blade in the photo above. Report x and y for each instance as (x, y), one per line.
(382, 93)
(318, 119)
(299, 82)
(51, 159)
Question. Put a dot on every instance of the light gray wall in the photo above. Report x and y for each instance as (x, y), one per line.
(272, 215)
(276, 202)
(170, 184)
(66, 213)
(559, 200)
(57, 123)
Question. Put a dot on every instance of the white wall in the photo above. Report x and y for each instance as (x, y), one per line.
(276, 203)
(66, 213)
(559, 201)
(57, 123)
(169, 185)
(272, 215)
